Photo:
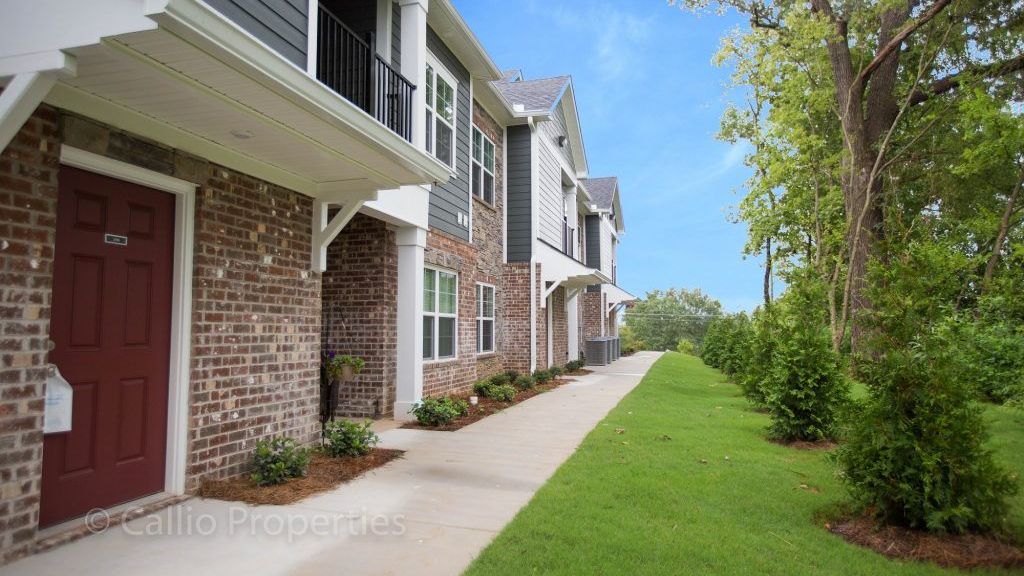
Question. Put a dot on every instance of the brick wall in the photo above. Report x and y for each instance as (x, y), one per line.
(591, 318)
(360, 310)
(515, 331)
(489, 239)
(559, 328)
(541, 321)
(28, 209)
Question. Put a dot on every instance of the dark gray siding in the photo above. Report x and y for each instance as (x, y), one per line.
(448, 199)
(593, 240)
(280, 24)
(396, 36)
(520, 194)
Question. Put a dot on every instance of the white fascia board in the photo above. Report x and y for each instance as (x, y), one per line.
(460, 39)
(615, 294)
(207, 29)
(572, 118)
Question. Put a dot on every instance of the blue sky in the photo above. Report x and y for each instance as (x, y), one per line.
(649, 101)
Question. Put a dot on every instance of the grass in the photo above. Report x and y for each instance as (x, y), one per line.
(678, 479)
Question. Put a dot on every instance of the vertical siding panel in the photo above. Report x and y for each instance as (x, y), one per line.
(519, 205)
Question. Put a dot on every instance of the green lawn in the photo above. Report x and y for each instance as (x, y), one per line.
(690, 486)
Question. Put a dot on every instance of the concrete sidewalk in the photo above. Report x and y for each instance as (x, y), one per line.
(430, 512)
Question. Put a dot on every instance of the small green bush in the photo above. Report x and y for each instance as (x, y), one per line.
(503, 393)
(439, 411)
(523, 382)
(275, 460)
(686, 347)
(573, 365)
(542, 376)
(512, 375)
(556, 371)
(726, 343)
(500, 379)
(344, 438)
(753, 377)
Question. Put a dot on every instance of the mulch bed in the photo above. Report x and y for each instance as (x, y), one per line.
(323, 474)
(964, 551)
(486, 406)
(805, 445)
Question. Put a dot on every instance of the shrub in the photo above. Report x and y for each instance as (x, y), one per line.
(556, 371)
(804, 387)
(573, 365)
(503, 392)
(686, 347)
(542, 376)
(500, 378)
(916, 452)
(346, 438)
(759, 357)
(439, 411)
(523, 382)
(275, 460)
(512, 375)
(993, 357)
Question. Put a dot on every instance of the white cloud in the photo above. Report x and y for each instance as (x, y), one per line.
(615, 37)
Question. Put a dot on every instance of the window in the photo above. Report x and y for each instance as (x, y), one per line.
(483, 166)
(441, 114)
(440, 306)
(484, 318)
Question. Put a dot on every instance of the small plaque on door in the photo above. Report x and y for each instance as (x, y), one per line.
(115, 239)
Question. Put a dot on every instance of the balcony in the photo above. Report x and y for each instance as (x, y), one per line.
(350, 66)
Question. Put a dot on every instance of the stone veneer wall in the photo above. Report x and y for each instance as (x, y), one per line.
(255, 316)
(360, 310)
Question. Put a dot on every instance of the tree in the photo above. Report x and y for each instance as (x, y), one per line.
(662, 319)
(887, 60)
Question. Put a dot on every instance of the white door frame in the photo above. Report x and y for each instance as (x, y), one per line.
(181, 296)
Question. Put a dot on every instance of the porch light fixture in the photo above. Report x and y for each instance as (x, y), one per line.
(561, 141)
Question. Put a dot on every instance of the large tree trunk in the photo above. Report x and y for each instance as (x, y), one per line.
(1004, 228)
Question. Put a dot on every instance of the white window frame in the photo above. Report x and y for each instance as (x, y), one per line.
(474, 162)
(480, 317)
(438, 69)
(437, 315)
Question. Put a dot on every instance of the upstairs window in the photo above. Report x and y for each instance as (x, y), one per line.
(483, 166)
(484, 318)
(441, 91)
(440, 306)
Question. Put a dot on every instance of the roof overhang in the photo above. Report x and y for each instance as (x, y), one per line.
(198, 82)
(572, 120)
(616, 295)
(449, 25)
(558, 269)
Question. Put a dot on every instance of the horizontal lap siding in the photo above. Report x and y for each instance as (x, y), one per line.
(550, 202)
(519, 194)
(450, 198)
(396, 36)
(281, 24)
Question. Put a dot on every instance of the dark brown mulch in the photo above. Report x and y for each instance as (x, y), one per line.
(486, 406)
(964, 551)
(580, 372)
(324, 473)
(805, 445)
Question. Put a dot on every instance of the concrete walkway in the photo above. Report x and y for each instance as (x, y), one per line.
(430, 512)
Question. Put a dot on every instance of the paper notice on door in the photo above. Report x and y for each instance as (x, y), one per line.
(57, 414)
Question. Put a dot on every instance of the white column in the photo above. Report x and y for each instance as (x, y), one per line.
(414, 63)
(572, 308)
(411, 242)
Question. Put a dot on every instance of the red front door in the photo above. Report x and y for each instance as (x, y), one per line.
(111, 326)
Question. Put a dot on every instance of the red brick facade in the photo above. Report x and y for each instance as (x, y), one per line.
(559, 328)
(515, 327)
(360, 310)
(28, 208)
(255, 309)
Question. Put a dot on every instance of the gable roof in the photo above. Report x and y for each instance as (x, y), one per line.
(602, 191)
(605, 195)
(540, 95)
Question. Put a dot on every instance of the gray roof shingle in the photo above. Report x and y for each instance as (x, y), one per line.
(533, 95)
(602, 190)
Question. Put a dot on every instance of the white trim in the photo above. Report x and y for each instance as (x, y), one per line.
(437, 315)
(181, 297)
(441, 71)
(480, 318)
(312, 42)
(383, 29)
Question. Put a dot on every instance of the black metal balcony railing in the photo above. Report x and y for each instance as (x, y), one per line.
(351, 67)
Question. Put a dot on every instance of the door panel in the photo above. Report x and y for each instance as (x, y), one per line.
(111, 323)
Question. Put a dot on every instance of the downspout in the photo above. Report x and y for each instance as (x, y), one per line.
(533, 243)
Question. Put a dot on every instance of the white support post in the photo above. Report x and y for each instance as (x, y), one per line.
(411, 243)
(414, 63)
(572, 311)
(324, 231)
(33, 75)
